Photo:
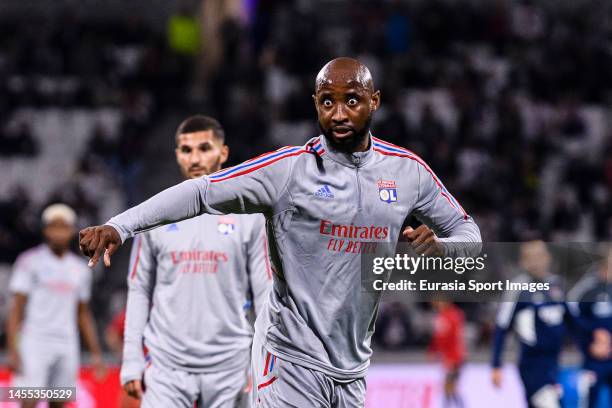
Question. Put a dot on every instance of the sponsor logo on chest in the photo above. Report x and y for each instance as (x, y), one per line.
(196, 261)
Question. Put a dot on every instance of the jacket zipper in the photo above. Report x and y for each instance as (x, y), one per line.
(358, 184)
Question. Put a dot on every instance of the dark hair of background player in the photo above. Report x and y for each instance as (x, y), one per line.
(200, 123)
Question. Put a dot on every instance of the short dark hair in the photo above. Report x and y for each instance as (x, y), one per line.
(200, 123)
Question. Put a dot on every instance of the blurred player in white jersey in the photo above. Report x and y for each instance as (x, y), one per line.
(191, 287)
(51, 288)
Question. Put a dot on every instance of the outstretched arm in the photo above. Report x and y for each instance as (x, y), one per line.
(252, 187)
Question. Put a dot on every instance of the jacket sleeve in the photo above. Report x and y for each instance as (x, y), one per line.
(258, 264)
(439, 210)
(251, 187)
(141, 283)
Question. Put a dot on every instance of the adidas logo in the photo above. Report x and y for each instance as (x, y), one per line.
(324, 192)
(172, 227)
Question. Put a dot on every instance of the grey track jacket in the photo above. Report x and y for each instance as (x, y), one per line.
(191, 285)
(321, 206)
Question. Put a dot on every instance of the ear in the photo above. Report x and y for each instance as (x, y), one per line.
(375, 101)
(224, 153)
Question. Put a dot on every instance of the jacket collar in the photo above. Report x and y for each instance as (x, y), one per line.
(355, 160)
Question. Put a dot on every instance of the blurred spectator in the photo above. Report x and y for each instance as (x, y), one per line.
(18, 141)
(448, 344)
(393, 329)
(18, 225)
(184, 33)
(101, 146)
(398, 32)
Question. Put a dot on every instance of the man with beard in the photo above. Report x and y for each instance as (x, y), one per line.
(341, 194)
(203, 275)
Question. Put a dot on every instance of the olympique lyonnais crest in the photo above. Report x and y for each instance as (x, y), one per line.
(387, 191)
(226, 225)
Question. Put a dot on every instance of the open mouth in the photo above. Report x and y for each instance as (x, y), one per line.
(342, 131)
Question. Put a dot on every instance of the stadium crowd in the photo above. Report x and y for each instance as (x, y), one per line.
(466, 85)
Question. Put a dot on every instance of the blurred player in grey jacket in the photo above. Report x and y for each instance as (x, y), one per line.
(191, 287)
(342, 194)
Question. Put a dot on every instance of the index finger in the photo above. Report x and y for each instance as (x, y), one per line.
(98, 252)
(110, 250)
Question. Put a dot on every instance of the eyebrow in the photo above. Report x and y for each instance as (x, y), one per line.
(207, 142)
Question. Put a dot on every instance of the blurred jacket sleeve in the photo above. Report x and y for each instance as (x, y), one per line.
(141, 283)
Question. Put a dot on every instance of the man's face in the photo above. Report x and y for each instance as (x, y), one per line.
(535, 259)
(344, 108)
(200, 153)
(58, 234)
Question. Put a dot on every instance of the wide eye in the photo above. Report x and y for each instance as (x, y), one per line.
(327, 102)
(352, 102)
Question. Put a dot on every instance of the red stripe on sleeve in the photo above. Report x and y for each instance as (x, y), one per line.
(270, 381)
(252, 169)
(133, 274)
(267, 363)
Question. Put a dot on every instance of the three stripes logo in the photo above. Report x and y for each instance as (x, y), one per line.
(324, 192)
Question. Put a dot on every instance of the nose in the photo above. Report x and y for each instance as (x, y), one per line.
(339, 114)
(195, 157)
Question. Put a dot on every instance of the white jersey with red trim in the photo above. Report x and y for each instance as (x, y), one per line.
(324, 208)
(54, 286)
(191, 286)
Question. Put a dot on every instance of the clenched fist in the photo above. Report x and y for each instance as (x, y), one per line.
(95, 240)
(134, 389)
(424, 241)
